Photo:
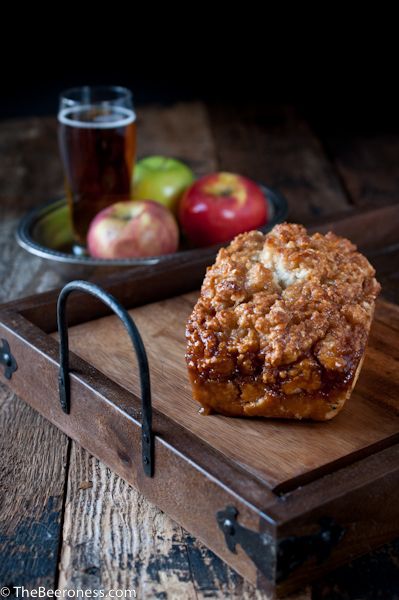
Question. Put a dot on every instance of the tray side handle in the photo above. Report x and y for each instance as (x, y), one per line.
(134, 334)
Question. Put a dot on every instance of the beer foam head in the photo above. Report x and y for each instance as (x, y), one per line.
(91, 117)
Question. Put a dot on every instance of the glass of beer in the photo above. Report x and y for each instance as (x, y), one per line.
(97, 138)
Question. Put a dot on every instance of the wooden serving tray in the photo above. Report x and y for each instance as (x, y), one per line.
(282, 502)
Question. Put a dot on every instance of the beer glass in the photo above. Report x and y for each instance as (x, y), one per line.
(97, 138)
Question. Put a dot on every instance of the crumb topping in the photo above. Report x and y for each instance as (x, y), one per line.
(289, 309)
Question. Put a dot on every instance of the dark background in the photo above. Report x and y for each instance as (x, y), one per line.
(341, 74)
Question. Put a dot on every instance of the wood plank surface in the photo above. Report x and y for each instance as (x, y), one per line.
(367, 163)
(29, 149)
(295, 451)
(33, 459)
(33, 453)
(277, 147)
(106, 430)
(122, 541)
(180, 131)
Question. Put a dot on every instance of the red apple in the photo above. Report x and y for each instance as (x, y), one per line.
(133, 229)
(217, 207)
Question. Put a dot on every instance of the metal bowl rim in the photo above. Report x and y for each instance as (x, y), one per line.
(25, 240)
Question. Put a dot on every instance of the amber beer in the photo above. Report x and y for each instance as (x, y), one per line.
(98, 146)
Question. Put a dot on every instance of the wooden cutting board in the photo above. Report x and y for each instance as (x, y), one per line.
(281, 454)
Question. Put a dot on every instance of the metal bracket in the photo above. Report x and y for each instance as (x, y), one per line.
(285, 556)
(258, 546)
(7, 359)
(293, 551)
(147, 439)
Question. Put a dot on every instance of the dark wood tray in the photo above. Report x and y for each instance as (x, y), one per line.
(281, 502)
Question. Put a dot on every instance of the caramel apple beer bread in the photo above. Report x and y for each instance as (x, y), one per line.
(281, 325)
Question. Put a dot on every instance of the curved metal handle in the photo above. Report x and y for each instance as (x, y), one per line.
(63, 378)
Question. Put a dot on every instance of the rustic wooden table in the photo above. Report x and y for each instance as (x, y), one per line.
(65, 519)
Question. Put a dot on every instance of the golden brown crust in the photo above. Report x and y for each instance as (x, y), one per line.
(281, 325)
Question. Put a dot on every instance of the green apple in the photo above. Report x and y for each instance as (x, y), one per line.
(162, 179)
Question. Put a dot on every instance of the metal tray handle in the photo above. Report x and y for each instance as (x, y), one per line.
(64, 380)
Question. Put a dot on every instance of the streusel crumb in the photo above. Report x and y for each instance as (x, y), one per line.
(281, 325)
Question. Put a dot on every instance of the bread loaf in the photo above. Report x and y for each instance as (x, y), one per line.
(281, 325)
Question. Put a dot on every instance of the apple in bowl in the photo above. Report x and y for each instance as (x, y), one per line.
(133, 229)
(162, 179)
(217, 207)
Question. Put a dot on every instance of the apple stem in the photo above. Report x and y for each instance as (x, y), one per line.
(226, 192)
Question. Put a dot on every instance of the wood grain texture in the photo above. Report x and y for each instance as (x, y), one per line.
(181, 131)
(387, 266)
(122, 541)
(101, 420)
(374, 231)
(33, 457)
(28, 148)
(277, 147)
(104, 419)
(367, 164)
(295, 451)
(362, 578)
(33, 453)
